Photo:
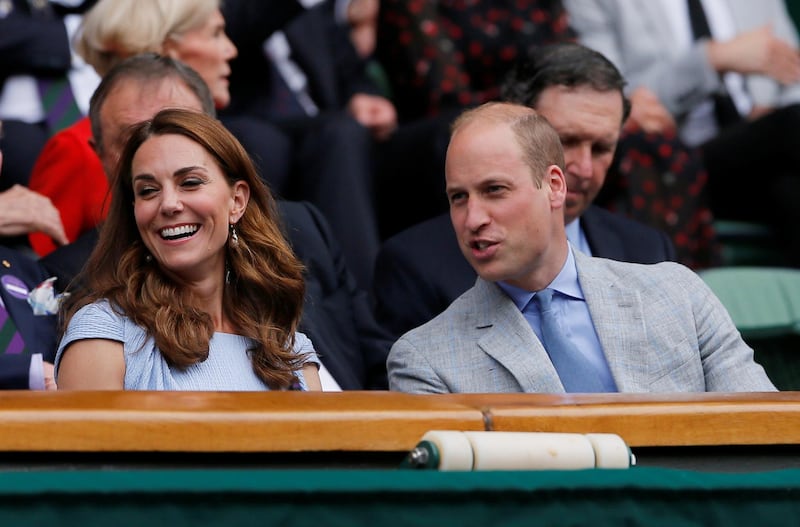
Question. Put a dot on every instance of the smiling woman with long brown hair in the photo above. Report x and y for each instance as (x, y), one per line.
(192, 285)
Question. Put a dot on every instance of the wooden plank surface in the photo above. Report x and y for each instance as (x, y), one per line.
(375, 421)
(223, 422)
(705, 419)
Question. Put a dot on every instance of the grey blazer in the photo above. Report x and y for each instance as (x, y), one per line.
(636, 36)
(660, 326)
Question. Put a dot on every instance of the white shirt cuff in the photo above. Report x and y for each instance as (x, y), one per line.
(36, 372)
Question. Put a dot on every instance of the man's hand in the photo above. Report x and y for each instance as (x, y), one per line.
(362, 17)
(648, 114)
(374, 112)
(49, 376)
(757, 52)
(23, 211)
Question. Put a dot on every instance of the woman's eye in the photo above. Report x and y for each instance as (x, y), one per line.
(144, 192)
(192, 182)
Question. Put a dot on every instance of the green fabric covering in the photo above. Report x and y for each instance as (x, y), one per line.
(780, 357)
(763, 302)
(793, 6)
(747, 243)
(383, 498)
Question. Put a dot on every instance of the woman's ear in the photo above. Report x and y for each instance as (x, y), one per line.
(240, 197)
(170, 48)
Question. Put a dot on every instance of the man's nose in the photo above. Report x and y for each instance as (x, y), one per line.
(580, 161)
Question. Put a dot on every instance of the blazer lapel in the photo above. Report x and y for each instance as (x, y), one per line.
(618, 318)
(509, 339)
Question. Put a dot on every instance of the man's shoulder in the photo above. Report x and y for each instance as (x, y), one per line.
(597, 213)
(612, 235)
(635, 275)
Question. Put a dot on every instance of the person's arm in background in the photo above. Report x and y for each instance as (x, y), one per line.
(648, 114)
(681, 81)
(361, 16)
(364, 100)
(23, 211)
(769, 54)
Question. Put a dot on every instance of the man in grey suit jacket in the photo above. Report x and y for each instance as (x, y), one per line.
(745, 60)
(642, 328)
(419, 272)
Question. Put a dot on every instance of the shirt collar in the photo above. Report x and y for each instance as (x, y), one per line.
(566, 283)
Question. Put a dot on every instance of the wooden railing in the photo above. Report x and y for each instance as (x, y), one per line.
(375, 421)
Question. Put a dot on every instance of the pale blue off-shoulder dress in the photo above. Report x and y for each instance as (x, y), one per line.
(227, 368)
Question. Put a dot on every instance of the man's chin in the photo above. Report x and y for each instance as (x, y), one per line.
(490, 273)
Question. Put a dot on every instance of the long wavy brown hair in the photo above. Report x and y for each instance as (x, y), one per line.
(264, 293)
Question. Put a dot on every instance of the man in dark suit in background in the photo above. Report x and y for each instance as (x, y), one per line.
(312, 85)
(31, 367)
(420, 271)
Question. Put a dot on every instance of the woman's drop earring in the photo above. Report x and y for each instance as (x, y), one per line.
(234, 236)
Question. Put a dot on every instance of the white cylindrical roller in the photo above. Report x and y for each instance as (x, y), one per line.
(530, 451)
(454, 449)
(610, 451)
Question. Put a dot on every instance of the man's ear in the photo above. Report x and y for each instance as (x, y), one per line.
(554, 178)
(241, 197)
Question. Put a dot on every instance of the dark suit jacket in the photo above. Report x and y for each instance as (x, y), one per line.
(320, 48)
(33, 41)
(38, 331)
(337, 315)
(420, 271)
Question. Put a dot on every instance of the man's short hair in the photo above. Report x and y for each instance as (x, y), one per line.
(142, 68)
(536, 137)
(566, 64)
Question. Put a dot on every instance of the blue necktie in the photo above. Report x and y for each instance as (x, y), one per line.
(576, 373)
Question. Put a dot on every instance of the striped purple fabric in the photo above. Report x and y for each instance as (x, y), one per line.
(11, 342)
(59, 104)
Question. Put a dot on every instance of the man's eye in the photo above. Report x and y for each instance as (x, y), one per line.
(602, 149)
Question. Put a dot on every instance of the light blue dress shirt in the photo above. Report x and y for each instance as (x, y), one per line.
(577, 238)
(573, 315)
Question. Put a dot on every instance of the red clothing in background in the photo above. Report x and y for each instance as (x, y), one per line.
(69, 173)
